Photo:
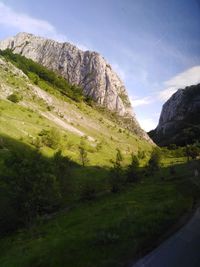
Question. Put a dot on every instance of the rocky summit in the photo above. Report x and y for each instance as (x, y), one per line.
(179, 121)
(87, 69)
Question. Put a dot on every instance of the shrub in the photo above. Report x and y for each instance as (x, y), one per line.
(15, 98)
(50, 138)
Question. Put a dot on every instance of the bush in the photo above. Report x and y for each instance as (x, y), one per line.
(15, 98)
(51, 138)
(192, 151)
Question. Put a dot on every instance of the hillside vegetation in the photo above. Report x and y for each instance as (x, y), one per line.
(40, 75)
(77, 187)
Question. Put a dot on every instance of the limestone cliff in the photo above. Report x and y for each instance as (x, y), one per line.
(179, 121)
(87, 69)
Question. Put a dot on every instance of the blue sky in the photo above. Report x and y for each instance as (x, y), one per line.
(153, 45)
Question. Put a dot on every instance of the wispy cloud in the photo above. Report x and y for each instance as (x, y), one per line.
(183, 79)
(25, 23)
(141, 101)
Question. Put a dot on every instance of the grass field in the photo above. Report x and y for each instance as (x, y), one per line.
(109, 231)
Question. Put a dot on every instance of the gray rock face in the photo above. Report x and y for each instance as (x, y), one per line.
(180, 113)
(173, 110)
(87, 69)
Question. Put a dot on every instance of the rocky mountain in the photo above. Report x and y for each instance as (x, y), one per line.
(87, 69)
(179, 121)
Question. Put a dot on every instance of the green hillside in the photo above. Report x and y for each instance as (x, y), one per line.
(78, 187)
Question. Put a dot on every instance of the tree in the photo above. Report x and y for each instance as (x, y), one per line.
(155, 159)
(192, 151)
(32, 185)
(119, 158)
(116, 173)
(83, 153)
(132, 170)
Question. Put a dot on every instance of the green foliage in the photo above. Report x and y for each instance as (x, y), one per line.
(192, 151)
(141, 154)
(116, 173)
(125, 99)
(15, 98)
(119, 158)
(83, 153)
(108, 227)
(50, 138)
(31, 187)
(155, 160)
(37, 73)
(132, 170)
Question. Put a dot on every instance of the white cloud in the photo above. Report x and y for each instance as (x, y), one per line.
(25, 23)
(186, 78)
(141, 101)
(147, 124)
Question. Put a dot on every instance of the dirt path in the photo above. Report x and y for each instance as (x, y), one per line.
(64, 125)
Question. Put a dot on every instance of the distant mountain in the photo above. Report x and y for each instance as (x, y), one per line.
(179, 121)
(89, 70)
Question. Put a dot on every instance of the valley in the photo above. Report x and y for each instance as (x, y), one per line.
(81, 184)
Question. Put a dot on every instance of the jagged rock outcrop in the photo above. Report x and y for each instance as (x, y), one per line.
(87, 69)
(179, 121)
